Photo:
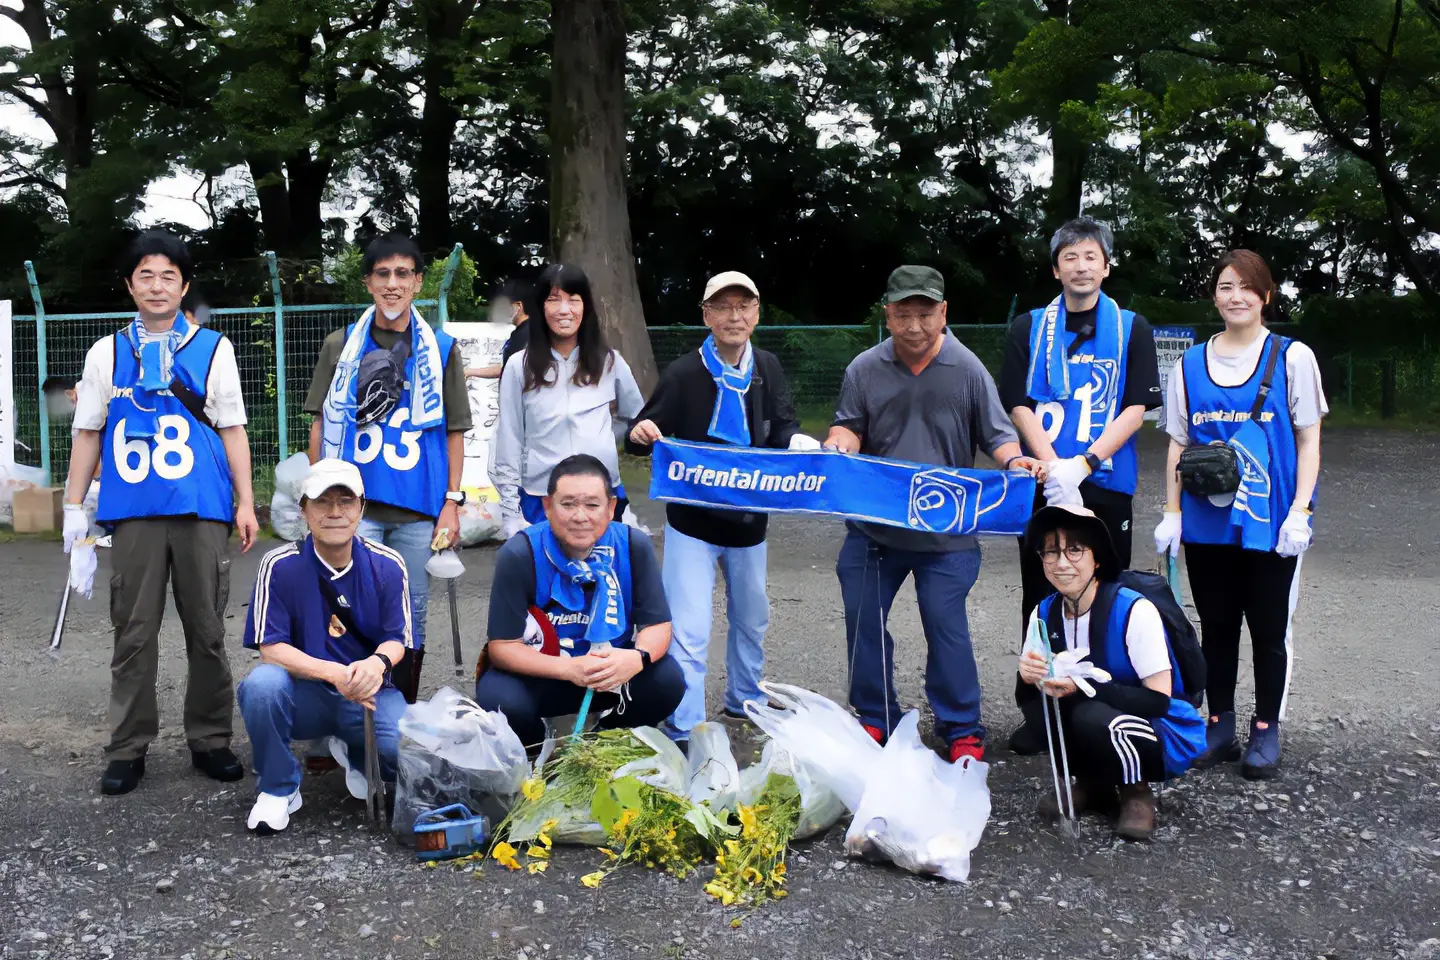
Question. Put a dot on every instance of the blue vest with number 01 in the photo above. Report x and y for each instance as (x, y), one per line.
(182, 470)
(400, 465)
(1073, 425)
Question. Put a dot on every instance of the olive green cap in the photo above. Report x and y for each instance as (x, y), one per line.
(915, 281)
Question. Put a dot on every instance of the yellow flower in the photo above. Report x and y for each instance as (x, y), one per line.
(533, 788)
(537, 867)
(720, 859)
(592, 880)
(504, 853)
(747, 821)
(720, 892)
(544, 835)
(626, 818)
(777, 873)
(752, 875)
(539, 853)
(732, 847)
(609, 853)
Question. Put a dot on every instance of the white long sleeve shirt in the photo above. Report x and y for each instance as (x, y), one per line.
(539, 428)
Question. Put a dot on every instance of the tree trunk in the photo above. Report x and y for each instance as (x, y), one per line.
(290, 194)
(589, 217)
(1069, 152)
(443, 22)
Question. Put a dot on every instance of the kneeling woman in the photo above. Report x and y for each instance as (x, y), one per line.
(1137, 727)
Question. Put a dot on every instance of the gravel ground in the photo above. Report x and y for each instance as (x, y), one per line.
(1338, 858)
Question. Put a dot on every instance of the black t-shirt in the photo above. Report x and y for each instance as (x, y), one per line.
(517, 342)
(1142, 371)
(513, 590)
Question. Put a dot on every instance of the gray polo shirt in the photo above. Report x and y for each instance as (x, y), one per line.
(937, 416)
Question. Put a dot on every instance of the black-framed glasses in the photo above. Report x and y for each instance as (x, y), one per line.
(399, 273)
(1074, 552)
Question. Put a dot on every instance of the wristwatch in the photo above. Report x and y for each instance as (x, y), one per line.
(389, 667)
(645, 660)
(456, 497)
(1094, 461)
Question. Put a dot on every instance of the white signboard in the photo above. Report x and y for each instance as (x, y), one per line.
(480, 345)
(7, 389)
(1170, 345)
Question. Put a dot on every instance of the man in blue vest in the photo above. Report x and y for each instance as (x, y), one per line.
(330, 616)
(578, 604)
(159, 409)
(389, 396)
(1077, 377)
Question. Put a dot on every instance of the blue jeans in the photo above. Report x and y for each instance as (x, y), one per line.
(412, 542)
(688, 572)
(279, 709)
(870, 576)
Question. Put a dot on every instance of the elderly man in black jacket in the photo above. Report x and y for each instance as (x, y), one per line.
(728, 391)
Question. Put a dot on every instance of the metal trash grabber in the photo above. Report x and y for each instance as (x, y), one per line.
(374, 783)
(454, 625)
(57, 633)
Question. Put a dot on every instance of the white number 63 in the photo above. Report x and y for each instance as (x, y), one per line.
(368, 443)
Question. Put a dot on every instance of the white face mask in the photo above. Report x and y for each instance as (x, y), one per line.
(392, 316)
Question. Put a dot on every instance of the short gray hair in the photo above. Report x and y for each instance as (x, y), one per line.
(1078, 231)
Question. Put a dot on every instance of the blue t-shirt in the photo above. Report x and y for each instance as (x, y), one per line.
(289, 604)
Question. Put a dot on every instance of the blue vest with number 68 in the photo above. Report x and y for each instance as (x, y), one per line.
(182, 470)
(402, 466)
(1074, 424)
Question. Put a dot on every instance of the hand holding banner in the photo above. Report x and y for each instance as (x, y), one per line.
(914, 496)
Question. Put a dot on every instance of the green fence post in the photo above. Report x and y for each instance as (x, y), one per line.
(450, 267)
(42, 368)
(282, 428)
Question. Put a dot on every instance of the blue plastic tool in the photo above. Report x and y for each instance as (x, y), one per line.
(449, 832)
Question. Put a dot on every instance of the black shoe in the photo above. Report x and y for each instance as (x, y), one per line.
(1028, 740)
(221, 764)
(122, 776)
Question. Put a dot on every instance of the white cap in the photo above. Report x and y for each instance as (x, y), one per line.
(331, 472)
(730, 278)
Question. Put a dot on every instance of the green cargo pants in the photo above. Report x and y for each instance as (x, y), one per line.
(192, 555)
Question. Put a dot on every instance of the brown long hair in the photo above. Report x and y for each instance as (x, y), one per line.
(1254, 274)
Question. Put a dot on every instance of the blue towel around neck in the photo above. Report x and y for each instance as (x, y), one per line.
(157, 362)
(567, 586)
(1048, 378)
(729, 421)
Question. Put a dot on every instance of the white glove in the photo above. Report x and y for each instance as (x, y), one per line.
(1167, 534)
(77, 524)
(1295, 534)
(1063, 479)
(803, 442)
(83, 563)
(512, 525)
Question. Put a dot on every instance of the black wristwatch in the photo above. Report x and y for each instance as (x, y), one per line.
(645, 660)
(389, 667)
(1094, 461)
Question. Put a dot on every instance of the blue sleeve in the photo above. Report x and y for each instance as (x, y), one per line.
(513, 590)
(269, 618)
(648, 606)
(394, 588)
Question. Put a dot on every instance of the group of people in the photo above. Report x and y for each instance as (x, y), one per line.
(581, 609)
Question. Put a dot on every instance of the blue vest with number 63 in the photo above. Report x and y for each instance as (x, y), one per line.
(1073, 425)
(182, 470)
(1182, 729)
(402, 466)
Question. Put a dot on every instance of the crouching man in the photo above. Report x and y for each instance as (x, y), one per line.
(331, 618)
(578, 605)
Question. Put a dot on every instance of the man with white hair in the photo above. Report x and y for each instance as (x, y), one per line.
(330, 616)
(731, 392)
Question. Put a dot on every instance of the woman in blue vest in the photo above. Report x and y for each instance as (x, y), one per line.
(1243, 549)
(1134, 728)
(567, 393)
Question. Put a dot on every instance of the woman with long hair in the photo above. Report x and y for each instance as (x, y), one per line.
(1243, 414)
(567, 393)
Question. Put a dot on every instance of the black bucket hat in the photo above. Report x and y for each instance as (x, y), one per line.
(1066, 517)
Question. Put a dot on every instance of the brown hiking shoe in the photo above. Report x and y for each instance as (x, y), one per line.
(1137, 813)
(1089, 798)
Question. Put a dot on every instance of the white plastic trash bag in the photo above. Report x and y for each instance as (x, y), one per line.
(290, 475)
(444, 565)
(285, 517)
(667, 770)
(452, 751)
(822, 736)
(819, 807)
(919, 812)
(479, 519)
(713, 776)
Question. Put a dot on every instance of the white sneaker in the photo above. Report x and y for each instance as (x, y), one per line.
(354, 779)
(271, 813)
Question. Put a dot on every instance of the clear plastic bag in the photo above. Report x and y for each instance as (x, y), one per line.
(452, 751)
(667, 770)
(821, 736)
(713, 776)
(819, 807)
(919, 812)
(290, 475)
(479, 518)
(285, 517)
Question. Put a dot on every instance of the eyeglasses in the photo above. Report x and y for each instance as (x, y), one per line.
(903, 320)
(384, 274)
(573, 505)
(1074, 552)
(146, 278)
(338, 504)
(730, 309)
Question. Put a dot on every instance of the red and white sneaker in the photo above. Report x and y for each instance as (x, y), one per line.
(963, 747)
(876, 734)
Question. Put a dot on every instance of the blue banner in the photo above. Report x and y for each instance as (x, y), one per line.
(915, 496)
